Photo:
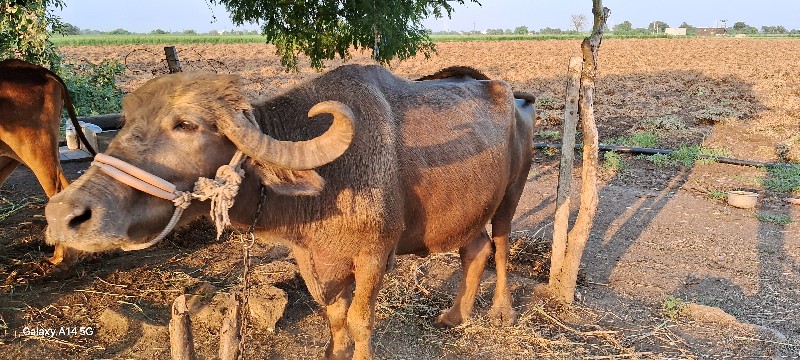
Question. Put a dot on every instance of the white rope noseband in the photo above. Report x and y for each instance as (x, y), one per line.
(221, 190)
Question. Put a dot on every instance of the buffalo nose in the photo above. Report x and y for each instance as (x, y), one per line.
(67, 215)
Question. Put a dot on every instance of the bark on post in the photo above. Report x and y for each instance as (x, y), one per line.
(229, 333)
(561, 221)
(563, 279)
(181, 343)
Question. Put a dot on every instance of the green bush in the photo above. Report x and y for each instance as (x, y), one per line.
(93, 88)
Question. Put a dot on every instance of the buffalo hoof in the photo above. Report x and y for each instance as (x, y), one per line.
(448, 319)
(502, 315)
(344, 353)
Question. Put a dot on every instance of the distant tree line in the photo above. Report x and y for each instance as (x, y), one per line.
(623, 28)
(69, 29)
(658, 27)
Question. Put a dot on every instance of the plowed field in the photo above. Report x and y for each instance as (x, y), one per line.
(670, 270)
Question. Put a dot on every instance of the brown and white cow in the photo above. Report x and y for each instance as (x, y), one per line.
(31, 99)
(403, 167)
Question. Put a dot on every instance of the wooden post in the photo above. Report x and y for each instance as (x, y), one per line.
(181, 343)
(172, 59)
(561, 221)
(563, 278)
(229, 333)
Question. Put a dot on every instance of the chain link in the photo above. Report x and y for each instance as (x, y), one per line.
(248, 239)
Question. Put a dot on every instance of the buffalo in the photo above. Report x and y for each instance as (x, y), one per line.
(31, 99)
(385, 166)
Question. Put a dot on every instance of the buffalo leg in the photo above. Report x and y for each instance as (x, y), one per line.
(368, 271)
(336, 307)
(473, 260)
(336, 312)
(502, 311)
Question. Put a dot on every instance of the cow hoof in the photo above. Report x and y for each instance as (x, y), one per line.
(448, 320)
(503, 316)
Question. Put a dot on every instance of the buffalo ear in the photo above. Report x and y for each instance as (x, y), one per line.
(290, 182)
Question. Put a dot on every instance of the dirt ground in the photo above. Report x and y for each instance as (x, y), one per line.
(670, 271)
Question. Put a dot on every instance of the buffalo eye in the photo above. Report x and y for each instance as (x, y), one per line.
(184, 126)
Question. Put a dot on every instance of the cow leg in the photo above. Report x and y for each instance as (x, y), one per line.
(7, 166)
(368, 271)
(52, 179)
(62, 256)
(45, 165)
(473, 260)
(339, 346)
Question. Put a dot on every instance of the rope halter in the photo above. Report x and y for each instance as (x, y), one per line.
(221, 190)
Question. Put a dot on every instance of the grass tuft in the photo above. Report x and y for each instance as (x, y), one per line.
(643, 139)
(613, 161)
(673, 307)
(782, 179)
(551, 135)
(779, 219)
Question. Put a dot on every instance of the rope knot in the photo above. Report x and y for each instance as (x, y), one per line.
(221, 190)
(183, 200)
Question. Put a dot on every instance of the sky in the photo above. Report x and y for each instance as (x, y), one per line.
(178, 15)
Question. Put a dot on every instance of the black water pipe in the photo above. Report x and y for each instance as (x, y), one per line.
(650, 151)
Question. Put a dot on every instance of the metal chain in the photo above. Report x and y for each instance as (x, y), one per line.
(248, 239)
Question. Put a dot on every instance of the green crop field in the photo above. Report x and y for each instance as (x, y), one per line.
(136, 39)
(143, 39)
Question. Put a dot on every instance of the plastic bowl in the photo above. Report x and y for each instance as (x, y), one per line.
(742, 199)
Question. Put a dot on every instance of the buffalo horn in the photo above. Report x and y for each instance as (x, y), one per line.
(297, 155)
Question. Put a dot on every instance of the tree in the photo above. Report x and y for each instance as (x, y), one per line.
(521, 30)
(578, 21)
(623, 26)
(68, 29)
(657, 27)
(25, 28)
(324, 29)
(550, 31)
(740, 27)
(160, 32)
(569, 244)
(773, 29)
(690, 30)
(120, 32)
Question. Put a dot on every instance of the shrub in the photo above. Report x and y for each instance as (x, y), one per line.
(93, 88)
